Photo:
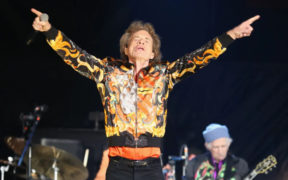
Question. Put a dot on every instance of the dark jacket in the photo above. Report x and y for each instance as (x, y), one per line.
(201, 167)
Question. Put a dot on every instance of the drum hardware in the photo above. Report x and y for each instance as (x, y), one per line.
(51, 162)
(4, 168)
(42, 162)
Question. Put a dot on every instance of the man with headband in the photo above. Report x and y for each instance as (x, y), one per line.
(217, 163)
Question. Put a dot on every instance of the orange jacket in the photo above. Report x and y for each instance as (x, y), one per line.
(135, 112)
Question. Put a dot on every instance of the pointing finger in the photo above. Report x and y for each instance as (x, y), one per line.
(253, 19)
(38, 13)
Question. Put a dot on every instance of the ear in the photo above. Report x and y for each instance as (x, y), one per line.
(152, 56)
(206, 146)
(126, 51)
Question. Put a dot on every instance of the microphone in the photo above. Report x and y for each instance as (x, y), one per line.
(43, 17)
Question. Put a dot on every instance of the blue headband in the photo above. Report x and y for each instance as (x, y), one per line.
(215, 131)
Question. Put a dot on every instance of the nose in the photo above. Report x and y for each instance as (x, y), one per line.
(141, 41)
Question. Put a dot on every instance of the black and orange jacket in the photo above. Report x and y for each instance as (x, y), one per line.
(135, 112)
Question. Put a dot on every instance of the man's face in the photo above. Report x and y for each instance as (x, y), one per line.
(140, 47)
(219, 148)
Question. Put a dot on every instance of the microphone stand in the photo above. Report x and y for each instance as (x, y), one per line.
(184, 149)
(29, 146)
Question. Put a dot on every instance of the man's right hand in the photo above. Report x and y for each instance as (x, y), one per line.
(38, 25)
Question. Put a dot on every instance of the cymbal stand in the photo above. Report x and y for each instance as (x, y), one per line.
(28, 145)
(56, 169)
(4, 169)
(54, 165)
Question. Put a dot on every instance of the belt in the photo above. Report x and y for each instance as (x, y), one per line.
(133, 163)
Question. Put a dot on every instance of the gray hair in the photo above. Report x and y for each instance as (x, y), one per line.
(209, 144)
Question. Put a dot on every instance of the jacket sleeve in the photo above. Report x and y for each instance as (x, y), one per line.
(81, 61)
(192, 62)
(191, 169)
(242, 168)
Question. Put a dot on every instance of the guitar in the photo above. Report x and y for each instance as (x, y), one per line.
(263, 167)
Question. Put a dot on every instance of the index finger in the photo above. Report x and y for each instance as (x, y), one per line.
(38, 13)
(253, 19)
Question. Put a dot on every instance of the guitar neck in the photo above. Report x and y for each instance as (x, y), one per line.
(251, 176)
(262, 167)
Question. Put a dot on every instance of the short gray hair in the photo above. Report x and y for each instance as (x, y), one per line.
(209, 144)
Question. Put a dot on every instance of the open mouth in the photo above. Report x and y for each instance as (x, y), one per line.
(140, 48)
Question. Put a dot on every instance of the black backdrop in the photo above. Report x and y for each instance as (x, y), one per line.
(246, 89)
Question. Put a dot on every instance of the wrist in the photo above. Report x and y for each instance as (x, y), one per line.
(232, 34)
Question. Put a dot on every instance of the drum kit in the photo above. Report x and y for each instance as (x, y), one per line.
(47, 163)
(38, 162)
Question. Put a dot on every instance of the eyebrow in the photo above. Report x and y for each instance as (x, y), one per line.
(147, 38)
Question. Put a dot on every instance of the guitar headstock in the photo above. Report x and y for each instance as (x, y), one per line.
(266, 165)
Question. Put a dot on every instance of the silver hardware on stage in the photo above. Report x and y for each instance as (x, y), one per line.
(6, 168)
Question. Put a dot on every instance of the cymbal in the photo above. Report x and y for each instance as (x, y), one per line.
(70, 167)
(33, 176)
(16, 144)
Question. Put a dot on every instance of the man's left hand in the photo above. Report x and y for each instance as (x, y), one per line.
(244, 29)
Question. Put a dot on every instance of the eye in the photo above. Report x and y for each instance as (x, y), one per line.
(134, 39)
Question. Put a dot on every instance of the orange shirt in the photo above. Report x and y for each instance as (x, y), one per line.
(135, 153)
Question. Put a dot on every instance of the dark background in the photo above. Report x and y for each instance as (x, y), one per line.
(246, 89)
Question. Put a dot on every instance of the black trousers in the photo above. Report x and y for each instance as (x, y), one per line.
(124, 169)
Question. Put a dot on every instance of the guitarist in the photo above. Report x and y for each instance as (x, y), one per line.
(217, 163)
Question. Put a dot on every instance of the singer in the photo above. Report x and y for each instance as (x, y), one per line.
(217, 163)
(135, 90)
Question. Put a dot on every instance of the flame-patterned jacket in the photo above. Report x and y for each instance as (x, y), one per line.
(135, 112)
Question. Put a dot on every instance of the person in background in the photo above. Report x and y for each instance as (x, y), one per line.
(101, 174)
(217, 163)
